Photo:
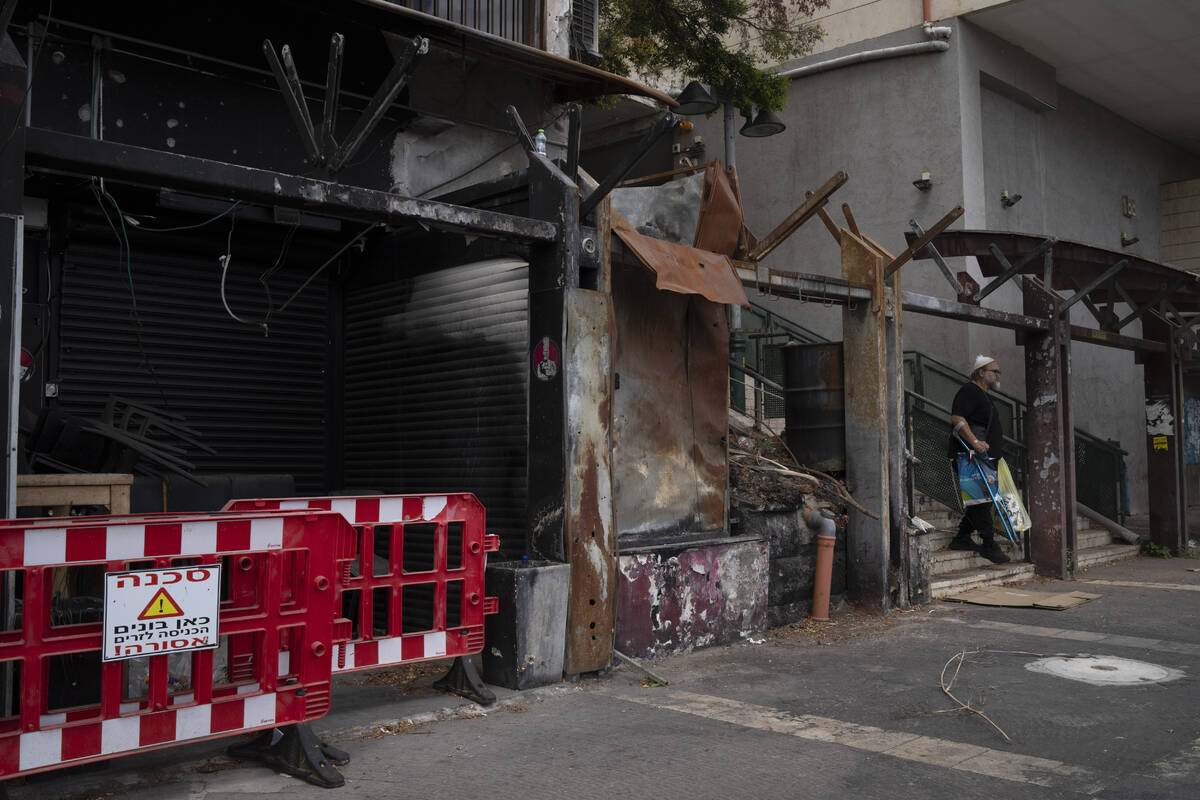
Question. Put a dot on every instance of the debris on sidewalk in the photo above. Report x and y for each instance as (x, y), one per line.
(1022, 598)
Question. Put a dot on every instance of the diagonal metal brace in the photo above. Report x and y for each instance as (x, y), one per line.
(333, 91)
(404, 51)
(1009, 269)
(1093, 283)
(813, 203)
(1165, 290)
(293, 96)
(666, 122)
(937, 258)
(518, 126)
(922, 242)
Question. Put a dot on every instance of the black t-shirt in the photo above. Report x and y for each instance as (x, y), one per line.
(973, 404)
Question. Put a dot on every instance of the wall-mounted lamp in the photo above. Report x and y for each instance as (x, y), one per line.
(925, 182)
(696, 98)
(1009, 200)
(1126, 241)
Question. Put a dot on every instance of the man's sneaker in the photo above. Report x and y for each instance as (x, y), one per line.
(992, 552)
(963, 543)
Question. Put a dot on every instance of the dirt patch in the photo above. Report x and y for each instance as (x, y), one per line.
(404, 678)
(425, 726)
(850, 623)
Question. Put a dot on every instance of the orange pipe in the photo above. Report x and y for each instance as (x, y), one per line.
(826, 539)
(926, 11)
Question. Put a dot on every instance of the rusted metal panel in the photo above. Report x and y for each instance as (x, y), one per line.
(589, 535)
(671, 362)
(683, 269)
(1046, 472)
(867, 459)
(675, 601)
(720, 223)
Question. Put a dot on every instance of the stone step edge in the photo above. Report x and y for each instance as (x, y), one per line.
(951, 582)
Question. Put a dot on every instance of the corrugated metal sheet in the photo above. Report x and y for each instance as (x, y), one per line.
(259, 401)
(436, 397)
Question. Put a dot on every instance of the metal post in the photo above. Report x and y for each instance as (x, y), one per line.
(12, 182)
(1163, 381)
(1046, 472)
(867, 458)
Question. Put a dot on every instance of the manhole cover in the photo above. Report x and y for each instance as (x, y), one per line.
(1104, 670)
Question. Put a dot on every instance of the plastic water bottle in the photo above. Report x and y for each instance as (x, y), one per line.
(539, 142)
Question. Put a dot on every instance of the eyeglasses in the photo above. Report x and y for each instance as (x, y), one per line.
(993, 371)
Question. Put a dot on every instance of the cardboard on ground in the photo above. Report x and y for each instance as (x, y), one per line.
(1022, 598)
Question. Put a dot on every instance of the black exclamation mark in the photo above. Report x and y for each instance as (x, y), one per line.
(160, 604)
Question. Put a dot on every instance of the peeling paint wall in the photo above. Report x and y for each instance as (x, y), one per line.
(674, 602)
(793, 562)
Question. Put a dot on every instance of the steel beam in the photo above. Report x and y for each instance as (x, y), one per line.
(1109, 339)
(79, 155)
(1050, 491)
(333, 94)
(1164, 444)
(293, 96)
(632, 155)
(801, 286)
(949, 309)
(574, 140)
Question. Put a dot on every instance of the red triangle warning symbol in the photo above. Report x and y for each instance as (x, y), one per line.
(161, 605)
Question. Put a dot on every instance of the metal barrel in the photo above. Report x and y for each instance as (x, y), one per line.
(815, 404)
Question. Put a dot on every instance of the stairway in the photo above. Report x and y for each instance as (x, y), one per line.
(957, 570)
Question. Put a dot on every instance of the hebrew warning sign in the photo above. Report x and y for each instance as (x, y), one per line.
(148, 612)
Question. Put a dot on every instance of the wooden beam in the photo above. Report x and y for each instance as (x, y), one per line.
(921, 243)
(797, 218)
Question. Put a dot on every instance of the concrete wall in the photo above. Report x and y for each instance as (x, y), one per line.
(982, 118)
(849, 21)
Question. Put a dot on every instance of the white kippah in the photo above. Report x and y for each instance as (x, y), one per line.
(982, 361)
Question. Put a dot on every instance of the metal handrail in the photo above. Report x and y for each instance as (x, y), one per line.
(761, 382)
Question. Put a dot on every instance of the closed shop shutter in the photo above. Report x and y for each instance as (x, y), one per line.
(259, 401)
(436, 390)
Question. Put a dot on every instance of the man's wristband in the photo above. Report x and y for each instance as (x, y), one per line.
(959, 425)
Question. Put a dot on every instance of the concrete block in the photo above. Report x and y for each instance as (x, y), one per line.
(524, 640)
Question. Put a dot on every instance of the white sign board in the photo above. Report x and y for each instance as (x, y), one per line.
(153, 611)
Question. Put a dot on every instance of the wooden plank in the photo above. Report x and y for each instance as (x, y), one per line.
(798, 217)
(923, 242)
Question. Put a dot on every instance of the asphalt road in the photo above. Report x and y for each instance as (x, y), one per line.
(851, 710)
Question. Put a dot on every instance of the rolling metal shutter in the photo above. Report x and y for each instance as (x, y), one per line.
(436, 397)
(259, 401)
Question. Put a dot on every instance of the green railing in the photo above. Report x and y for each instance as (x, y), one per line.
(766, 333)
(933, 383)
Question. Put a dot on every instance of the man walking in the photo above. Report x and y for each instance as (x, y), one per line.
(974, 419)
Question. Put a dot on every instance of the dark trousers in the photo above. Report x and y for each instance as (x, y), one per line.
(977, 518)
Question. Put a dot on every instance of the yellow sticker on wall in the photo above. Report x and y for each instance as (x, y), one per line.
(1159, 442)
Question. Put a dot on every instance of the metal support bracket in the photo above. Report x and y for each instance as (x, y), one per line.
(296, 750)
(319, 143)
(464, 680)
(932, 250)
(666, 122)
(518, 126)
(1011, 270)
(574, 137)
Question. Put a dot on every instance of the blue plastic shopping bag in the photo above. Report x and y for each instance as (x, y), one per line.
(970, 481)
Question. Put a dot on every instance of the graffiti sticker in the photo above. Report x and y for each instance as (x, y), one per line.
(545, 360)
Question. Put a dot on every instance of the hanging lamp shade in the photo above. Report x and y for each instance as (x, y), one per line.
(696, 98)
(764, 123)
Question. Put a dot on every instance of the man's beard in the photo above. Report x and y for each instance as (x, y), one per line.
(994, 385)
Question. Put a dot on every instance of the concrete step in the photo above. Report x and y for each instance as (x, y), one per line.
(1107, 554)
(961, 580)
(1087, 535)
(946, 561)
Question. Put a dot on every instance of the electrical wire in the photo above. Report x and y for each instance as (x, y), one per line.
(328, 261)
(137, 226)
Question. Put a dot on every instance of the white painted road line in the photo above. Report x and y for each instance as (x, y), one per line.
(1091, 637)
(1182, 587)
(908, 746)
